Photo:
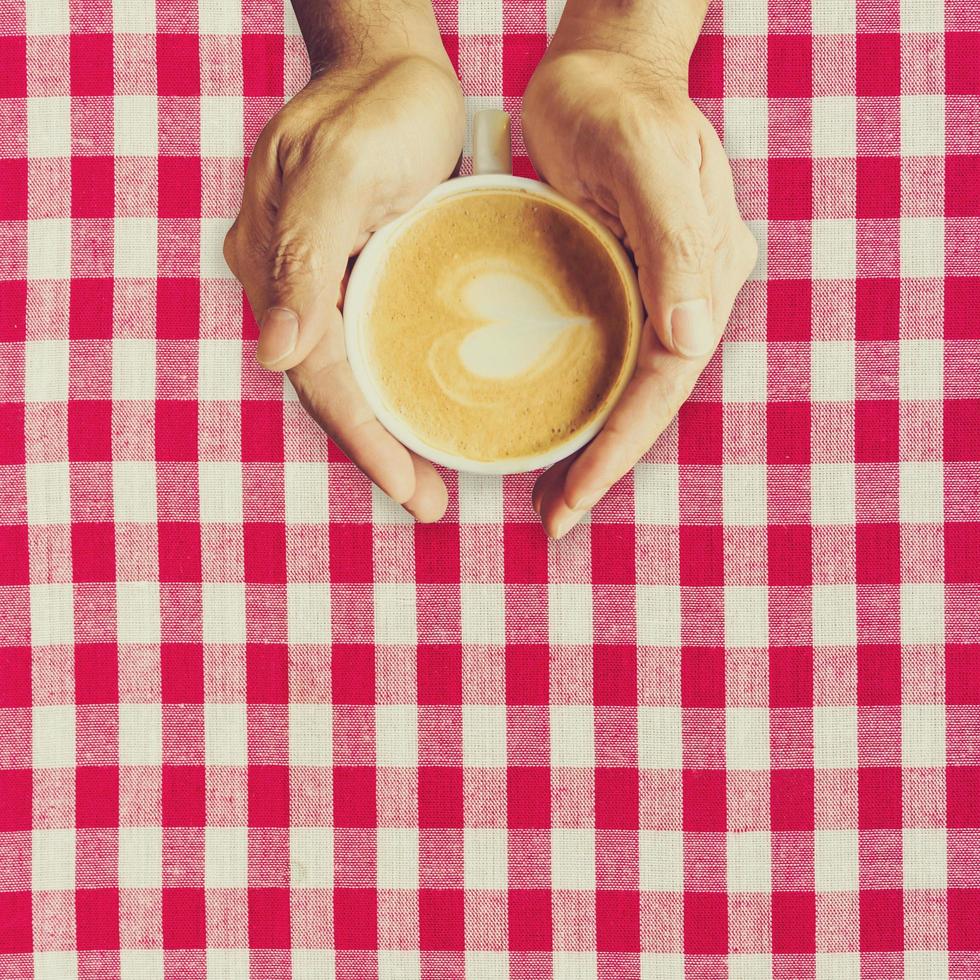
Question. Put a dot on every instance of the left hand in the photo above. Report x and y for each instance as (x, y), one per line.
(624, 141)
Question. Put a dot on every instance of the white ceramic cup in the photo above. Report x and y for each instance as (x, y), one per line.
(492, 172)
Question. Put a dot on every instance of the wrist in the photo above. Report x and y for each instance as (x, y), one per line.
(361, 41)
(657, 35)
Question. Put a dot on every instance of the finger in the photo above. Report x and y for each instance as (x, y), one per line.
(315, 232)
(551, 478)
(660, 386)
(665, 217)
(328, 390)
(429, 501)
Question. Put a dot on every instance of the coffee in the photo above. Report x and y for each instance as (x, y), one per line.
(499, 325)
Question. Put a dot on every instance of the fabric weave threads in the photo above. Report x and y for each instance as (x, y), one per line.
(255, 723)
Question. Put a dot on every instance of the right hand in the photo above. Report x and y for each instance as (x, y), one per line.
(355, 148)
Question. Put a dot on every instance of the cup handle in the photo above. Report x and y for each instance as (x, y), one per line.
(491, 142)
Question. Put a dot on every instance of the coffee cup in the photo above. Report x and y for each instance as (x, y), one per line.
(583, 356)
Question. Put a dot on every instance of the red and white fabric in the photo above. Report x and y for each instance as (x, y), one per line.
(254, 723)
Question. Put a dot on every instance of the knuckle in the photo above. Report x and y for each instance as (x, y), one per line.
(686, 245)
(290, 259)
(229, 249)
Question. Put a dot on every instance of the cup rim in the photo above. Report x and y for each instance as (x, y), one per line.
(359, 288)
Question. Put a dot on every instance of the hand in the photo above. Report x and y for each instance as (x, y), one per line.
(356, 147)
(621, 138)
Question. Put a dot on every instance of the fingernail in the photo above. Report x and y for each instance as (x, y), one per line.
(589, 500)
(565, 524)
(278, 335)
(691, 329)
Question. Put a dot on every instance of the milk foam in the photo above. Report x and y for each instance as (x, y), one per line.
(517, 327)
(521, 323)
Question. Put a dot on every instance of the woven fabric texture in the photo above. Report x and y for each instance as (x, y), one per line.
(254, 723)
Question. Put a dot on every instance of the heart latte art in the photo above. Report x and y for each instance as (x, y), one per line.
(499, 325)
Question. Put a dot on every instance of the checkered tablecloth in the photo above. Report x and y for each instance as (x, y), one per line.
(256, 724)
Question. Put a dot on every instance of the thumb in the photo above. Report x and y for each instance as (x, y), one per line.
(671, 231)
(311, 241)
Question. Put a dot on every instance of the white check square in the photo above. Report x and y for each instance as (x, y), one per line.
(659, 736)
(223, 612)
(138, 612)
(226, 735)
(395, 612)
(746, 616)
(54, 736)
(53, 859)
(136, 17)
(307, 500)
(750, 861)
(744, 370)
(48, 493)
(220, 491)
(308, 612)
(48, 248)
(140, 734)
(484, 735)
(658, 615)
(835, 860)
(747, 738)
(134, 491)
(222, 124)
(834, 17)
(923, 247)
(573, 859)
(569, 612)
(52, 613)
(481, 499)
(656, 489)
(927, 16)
(923, 125)
(135, 131)
(213, 265)
(920, 370)
(923, 612)
(56, 964)
(572, 735)
(744, 494)
(225, 857)
(834, 126)
(746, 126)
(311, 857)
(134, 369)
(832, 493)
(485, 858)
(48, 123)
(924, 857)
(398, 857)
(46, 371)
(835, 737)
(397, 734)
(662, 860)
(141, 857)
(219, 370)
(834, 248)
(834, 615)
(832, 371)
(49, 17)
(926, 964)
(482, 608)
(921, 498)
(310, 734)
(399, 964)
(135, 249)
(924, 735)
